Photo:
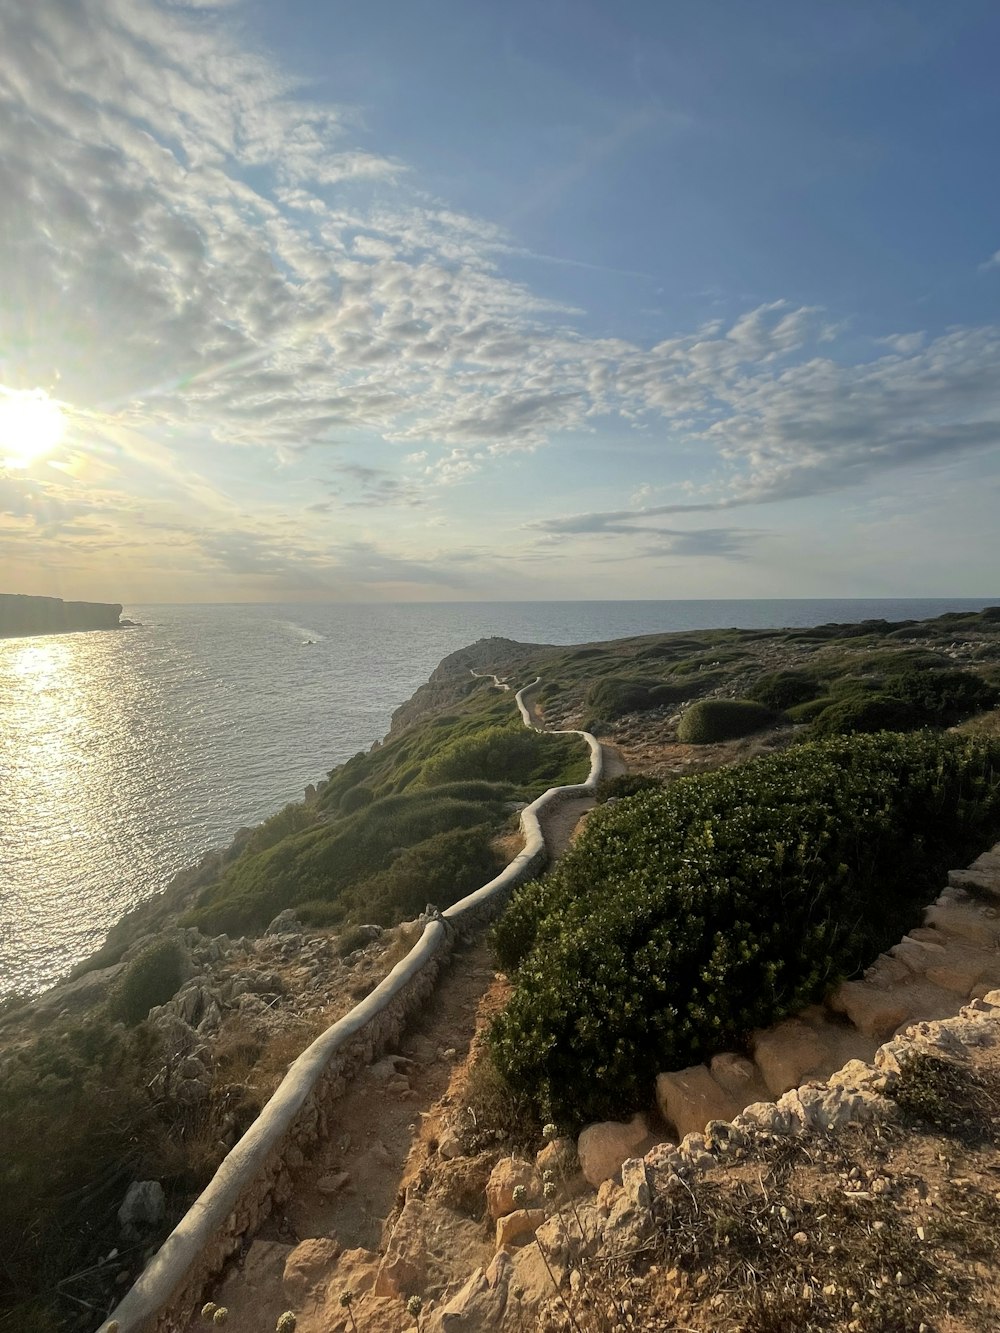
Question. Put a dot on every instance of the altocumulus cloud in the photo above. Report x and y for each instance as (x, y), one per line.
(193, 245)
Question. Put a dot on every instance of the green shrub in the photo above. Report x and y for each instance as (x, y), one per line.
(152, 978)
(292, 819)
(440, 870)
(496, 754)
(783, 690)
(807, 711)
(941, 698)
(614, 696)
(866, 714)
(356, 798)
(682, 919)
(329, 861)
(626, 784)
(723, 720)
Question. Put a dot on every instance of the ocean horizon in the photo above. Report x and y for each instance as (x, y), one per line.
(128, 754)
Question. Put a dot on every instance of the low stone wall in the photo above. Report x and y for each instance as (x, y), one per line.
(255, 1175)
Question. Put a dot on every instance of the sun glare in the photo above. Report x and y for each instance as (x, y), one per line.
(31, 425)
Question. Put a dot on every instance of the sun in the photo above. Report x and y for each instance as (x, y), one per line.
(31, 425)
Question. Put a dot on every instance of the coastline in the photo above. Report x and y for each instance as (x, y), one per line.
(24, 616)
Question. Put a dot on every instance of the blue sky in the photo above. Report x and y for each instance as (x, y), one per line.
(464, 300)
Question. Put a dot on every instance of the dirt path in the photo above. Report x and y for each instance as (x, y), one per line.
(348, 1191)
(383, 1130)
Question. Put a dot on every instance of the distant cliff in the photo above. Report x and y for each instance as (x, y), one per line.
(51, 615)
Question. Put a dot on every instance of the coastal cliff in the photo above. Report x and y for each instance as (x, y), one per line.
(20, 614)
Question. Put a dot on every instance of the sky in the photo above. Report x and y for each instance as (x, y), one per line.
(453, 300)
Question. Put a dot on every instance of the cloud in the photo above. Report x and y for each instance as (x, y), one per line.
(204, 255)
(992, 262)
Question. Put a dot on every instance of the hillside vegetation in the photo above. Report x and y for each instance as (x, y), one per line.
(685, 915)
(684, 918)
(411, 822)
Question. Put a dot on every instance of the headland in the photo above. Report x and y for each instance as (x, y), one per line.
(21, 614)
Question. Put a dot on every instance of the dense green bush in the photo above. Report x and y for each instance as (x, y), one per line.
(941, 698)
(723, 720)
(626, 784)
(496, 754)
(682, 919)
(330, 861)
(613, 696)
(866, 714)
(440, 870)
(152, 978)
(356, 798)
(784, 689)
(807, 711)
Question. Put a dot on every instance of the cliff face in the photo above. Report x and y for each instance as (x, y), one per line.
(51, 615)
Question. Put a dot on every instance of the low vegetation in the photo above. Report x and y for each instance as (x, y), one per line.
(684, 918)
(411, 822)
(714, 720)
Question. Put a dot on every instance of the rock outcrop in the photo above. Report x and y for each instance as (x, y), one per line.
(20, 614)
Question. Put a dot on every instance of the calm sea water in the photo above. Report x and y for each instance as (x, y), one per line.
(126, 755)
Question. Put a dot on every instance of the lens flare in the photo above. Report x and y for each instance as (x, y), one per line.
(31, 425)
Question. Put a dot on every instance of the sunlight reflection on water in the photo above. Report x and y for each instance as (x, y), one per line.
(126, 755)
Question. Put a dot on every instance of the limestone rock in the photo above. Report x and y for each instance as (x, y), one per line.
(333, 1183)
(143, 1210)
(739, 1077)
(403, 1270)
(310, 1263)
(690, 1098)
(972, 921)
(516, 1227)
(506, 1176)
(917, 955)
(450, 1145)
(285, 923)
(559, 1157)
(872, 1011)
(603, 1147)
(480, 1304)
(791, 1052)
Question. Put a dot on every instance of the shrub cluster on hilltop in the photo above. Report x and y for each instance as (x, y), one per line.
(683, 918)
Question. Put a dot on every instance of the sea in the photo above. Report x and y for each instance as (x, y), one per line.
(125, 755)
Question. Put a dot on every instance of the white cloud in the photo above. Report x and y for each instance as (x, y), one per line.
(192, 246)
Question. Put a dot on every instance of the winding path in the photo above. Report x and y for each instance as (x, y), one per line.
(381, 1103)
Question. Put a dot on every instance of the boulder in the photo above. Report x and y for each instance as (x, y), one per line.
(143, 1210)
(880, 1013)
(403, 1270)
(506, 1176)
(285, 923)
(517, 1227)
(480, 1305)
(308, 1265)
(603, 1147)
(791, 1052)
(689, 1098)
(917, 955)
(871, 1010)
(739, 1077)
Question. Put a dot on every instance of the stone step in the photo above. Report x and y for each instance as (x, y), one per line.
(976, 922)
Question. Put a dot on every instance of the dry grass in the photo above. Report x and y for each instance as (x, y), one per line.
(890, 1229)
